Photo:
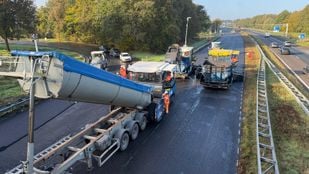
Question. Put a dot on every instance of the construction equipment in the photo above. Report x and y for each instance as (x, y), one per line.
(217, 70)
(98, 59)
(182, 58)
(55, 75)
(155, 74)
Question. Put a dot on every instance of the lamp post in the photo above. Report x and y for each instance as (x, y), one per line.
(188, 18)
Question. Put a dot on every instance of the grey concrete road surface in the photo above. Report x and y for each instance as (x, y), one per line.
(200, 134)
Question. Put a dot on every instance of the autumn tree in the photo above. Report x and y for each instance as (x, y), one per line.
(17, 18)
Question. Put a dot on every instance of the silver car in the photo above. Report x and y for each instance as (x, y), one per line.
(274, 45)
(287, 44)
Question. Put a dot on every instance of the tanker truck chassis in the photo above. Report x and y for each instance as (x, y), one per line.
(98, 141)
(55, 75)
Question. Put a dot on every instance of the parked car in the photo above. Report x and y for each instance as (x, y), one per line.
(274, 45)
(287, 44)
(114, 52)
(125, 57)
(284, 50)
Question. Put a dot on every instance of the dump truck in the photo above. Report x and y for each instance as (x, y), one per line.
(217, 69)
(55, 75)
(182, 58)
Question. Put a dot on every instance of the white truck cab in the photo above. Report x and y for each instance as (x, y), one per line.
(98, 59)
(155, 74)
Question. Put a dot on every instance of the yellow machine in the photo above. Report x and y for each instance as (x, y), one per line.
(217, 71)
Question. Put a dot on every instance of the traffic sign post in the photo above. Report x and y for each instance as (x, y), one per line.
(302, 36)
(276, 28)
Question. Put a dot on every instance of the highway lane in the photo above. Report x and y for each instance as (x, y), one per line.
(297, 61)
(60, 119)
(199, 135)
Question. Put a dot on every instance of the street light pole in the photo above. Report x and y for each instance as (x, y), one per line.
(28, 165)
(30, 144)
(187, 25)
(286, 30)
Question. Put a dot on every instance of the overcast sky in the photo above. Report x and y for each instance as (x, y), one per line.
(235, 9)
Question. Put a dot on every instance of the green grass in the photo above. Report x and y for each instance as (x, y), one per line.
(282, 68)
(31, 48)
(304, 43)
(290, 127)
(146, 56)
(10, 90)
(247, 159)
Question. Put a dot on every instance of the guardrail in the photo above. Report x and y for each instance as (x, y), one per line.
(266, 155)
(12, 107)
(301, 99)
(195, 50)
(290, 69)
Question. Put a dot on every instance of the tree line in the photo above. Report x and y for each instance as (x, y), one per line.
(297, 21)
(17, 18)
(127, 24)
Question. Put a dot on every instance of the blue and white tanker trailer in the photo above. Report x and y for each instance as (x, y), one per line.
(59, 76)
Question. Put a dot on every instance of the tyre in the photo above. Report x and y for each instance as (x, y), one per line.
(134, 131)
(143, 123)
(112, 107)
(124, 141)
(151, 112)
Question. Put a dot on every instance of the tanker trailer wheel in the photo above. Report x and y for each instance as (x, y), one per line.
(143, 123)
(124, 141)
(134, 131)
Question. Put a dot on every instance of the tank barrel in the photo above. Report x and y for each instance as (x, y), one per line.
(62, 77)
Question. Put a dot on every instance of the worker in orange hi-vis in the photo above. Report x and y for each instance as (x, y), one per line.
(234, 59)
(166, 99)
(168, 77)
(123, 71)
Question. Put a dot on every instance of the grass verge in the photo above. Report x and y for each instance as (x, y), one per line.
(42, 48)
(247, 158)
(147, 56)
(10, 90)
(290, 127)
(282, 68)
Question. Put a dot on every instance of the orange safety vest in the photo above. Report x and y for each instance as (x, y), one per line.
(166, 98)
(168, 78)
(123, 72)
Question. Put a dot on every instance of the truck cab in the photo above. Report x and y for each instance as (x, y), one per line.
(98, 59)
(182, 58)
(155, 74)
(217, 70)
